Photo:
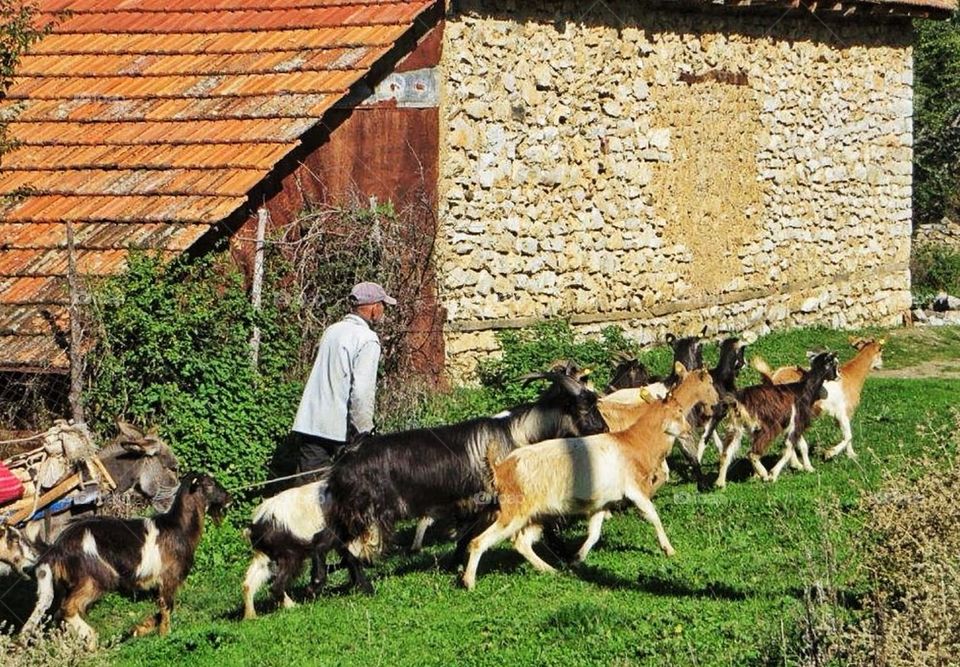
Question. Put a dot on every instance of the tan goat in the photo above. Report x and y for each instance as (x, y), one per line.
(576, 476)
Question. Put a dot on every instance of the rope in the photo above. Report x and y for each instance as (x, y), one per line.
(279, 479)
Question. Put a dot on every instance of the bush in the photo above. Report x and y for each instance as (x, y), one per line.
(173, 350)
(934, 268)
(937, 120)
(44, 648)
(173, 338)
(906, 558)
(912, 566)
(530, 350)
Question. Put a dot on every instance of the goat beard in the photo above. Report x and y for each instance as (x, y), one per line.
(217, 513)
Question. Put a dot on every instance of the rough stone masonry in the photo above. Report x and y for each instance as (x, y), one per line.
(663, 170)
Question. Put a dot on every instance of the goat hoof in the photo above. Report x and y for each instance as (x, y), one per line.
(365, 589)
(669, 552)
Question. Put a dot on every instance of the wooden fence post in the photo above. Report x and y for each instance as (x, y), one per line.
(256, 289)
(76, 334)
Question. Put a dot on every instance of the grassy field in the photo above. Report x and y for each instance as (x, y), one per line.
(733, 594)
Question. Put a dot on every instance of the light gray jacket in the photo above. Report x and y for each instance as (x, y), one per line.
(342, 386)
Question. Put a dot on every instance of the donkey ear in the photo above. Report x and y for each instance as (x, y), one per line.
(129, 430)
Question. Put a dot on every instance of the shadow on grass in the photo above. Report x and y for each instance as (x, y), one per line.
(657, 585)
(17, 599)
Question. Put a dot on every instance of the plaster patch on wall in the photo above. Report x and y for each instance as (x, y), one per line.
(708, 194)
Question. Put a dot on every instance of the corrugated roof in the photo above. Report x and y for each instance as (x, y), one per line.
(146, 121)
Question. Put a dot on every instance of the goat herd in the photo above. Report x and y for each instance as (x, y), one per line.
(571, 452)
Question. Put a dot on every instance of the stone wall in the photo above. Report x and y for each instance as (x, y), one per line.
(946, 232)
(663, 170)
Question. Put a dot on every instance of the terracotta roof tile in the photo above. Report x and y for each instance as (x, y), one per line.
(144, 122)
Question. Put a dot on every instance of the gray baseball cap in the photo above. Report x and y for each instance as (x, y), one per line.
(364, 293)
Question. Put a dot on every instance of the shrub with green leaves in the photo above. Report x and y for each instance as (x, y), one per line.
(934, 268)
(530, 350)
(936, 189)
(173, 350)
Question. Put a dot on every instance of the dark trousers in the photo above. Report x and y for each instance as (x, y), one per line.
(317, 452)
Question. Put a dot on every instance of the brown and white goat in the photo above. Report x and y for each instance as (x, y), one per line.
(95, 556)
(767, 410)
(17, 552)
(575, 476)
(843, 394)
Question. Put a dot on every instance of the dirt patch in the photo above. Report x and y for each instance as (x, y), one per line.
(937, 368)
(940, 354)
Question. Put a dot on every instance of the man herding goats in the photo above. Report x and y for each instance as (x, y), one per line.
(339, 398)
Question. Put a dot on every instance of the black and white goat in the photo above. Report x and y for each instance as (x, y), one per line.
(95, 556)
(414, 473)
(281, 534)
(630, 373)
(767, 410)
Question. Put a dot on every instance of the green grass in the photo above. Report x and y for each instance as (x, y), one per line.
(732, 595)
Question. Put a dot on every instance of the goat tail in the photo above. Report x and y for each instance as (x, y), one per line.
(761, 366)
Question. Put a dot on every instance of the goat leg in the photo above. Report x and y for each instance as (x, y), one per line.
(845, 444)
(45, 595)
(649, 512)
(728, 453)
(323, 543)
(478, 522)
(523, 543)
(326, 541)
(804, 453)
(422, 525)
(593, 534)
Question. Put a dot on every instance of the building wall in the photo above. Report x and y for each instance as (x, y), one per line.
(373, 145)
(662, 171)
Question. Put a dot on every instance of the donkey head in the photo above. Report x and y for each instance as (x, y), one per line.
(142, 461)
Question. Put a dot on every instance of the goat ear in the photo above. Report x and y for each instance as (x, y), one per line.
(680, 370)
(129, 430)
(670, 338)
(143, 446)
(811, 354)
(881, 342)
(646, 396)
(703, 331)
(194, 483)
